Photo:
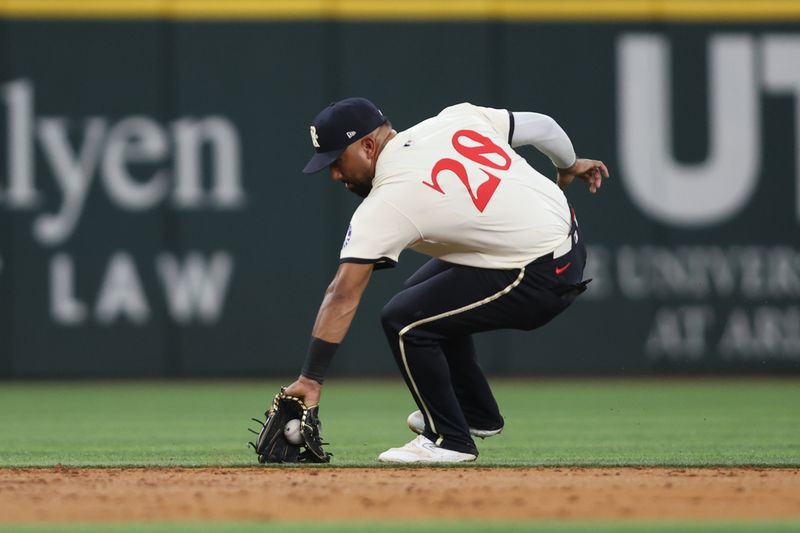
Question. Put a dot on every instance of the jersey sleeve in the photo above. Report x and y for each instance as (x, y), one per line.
(377, 234)
(546, 135)
(500, 120)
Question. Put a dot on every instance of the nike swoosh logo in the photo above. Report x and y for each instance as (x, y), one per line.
(561, 270)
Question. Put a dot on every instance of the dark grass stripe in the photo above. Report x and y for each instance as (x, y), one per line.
(548, 423)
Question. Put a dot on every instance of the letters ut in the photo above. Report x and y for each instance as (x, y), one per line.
(714, 190)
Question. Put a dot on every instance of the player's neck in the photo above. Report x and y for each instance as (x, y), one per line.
(381, 142)
(390, 134)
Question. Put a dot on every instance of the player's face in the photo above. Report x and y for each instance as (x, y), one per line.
(354, 169)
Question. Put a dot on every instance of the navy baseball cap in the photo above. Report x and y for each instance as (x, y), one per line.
(338, 126)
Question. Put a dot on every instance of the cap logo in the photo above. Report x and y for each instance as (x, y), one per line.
(314, 137)
(351, 134)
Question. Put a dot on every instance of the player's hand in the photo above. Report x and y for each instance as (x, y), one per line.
(306, 389)
(591, 171)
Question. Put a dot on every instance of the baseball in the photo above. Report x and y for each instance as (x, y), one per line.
(292, 431)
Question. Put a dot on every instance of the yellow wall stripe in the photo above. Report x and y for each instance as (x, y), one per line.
(412, 10)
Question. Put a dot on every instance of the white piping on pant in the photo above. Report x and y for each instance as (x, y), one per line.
(437, 317)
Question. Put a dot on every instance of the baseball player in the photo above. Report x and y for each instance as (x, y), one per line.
(505, 246)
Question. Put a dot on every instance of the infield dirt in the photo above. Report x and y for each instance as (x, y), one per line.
(191, 494)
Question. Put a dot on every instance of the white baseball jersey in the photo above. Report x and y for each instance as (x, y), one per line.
(452, 187)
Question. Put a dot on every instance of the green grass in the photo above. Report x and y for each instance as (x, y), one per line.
(561, 422)
(418, 527)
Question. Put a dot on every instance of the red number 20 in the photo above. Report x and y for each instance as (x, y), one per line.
(483, 146)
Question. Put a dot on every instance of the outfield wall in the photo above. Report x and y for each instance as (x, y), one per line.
(154, 220)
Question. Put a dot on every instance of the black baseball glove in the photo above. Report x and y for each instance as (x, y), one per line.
(272, 446)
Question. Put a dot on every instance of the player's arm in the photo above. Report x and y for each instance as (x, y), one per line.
(544, 133)
(341, 301)
(333, 320)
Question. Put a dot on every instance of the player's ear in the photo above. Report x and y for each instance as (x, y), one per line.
(369, 145)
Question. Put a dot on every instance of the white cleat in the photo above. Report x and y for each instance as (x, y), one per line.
(423, 450)
(416, 423)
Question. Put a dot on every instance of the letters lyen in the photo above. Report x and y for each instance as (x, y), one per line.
(111, 152)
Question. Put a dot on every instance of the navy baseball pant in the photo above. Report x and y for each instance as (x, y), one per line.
(429, 325)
